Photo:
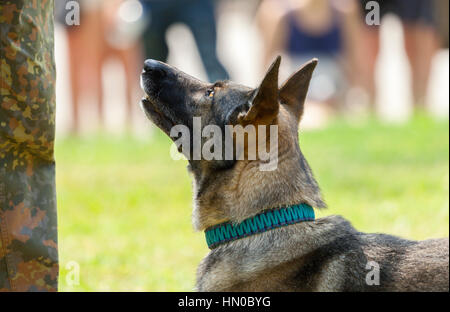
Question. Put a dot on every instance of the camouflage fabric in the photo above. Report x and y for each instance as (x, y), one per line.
(28, 237)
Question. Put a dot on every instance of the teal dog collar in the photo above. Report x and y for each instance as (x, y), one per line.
(267, 220)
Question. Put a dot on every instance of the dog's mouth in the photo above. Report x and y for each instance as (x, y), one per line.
(155, 113)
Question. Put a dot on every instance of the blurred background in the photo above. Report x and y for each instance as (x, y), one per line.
(375, 128)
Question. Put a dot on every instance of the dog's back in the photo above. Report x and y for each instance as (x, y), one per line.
(410, 265)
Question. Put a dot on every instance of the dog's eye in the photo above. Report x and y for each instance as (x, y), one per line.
(210, 93)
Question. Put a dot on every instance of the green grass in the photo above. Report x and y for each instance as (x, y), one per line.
(125, 205)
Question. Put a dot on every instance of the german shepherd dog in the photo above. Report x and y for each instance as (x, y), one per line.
(326, 254)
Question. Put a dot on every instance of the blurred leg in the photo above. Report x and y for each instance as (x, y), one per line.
(369, 49)
(98, 53)
(132, 63)
(155, 45)
(75, 61)
(154, 37)
(421, 45)
(86, 63)
(97, 84)
(418, 17)
(200, 18)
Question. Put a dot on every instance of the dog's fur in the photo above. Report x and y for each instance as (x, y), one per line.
(323, 255)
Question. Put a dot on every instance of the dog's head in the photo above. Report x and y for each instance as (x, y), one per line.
(174, 98)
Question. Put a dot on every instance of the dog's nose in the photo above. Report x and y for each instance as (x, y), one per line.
(154, 68)
(152, 65)
(149, 65)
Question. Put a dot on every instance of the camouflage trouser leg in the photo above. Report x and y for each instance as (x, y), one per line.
(28, 236)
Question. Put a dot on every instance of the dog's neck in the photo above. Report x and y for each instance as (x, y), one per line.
(245, 191)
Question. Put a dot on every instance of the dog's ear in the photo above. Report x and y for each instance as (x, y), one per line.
(294, 90)
(264, 105)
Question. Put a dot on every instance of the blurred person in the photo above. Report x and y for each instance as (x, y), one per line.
(420, 40)
(304, 29)
(85, 53)
(441, 9)
(124, 23)
(198, 16)
(28, 222)
(100, 36)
